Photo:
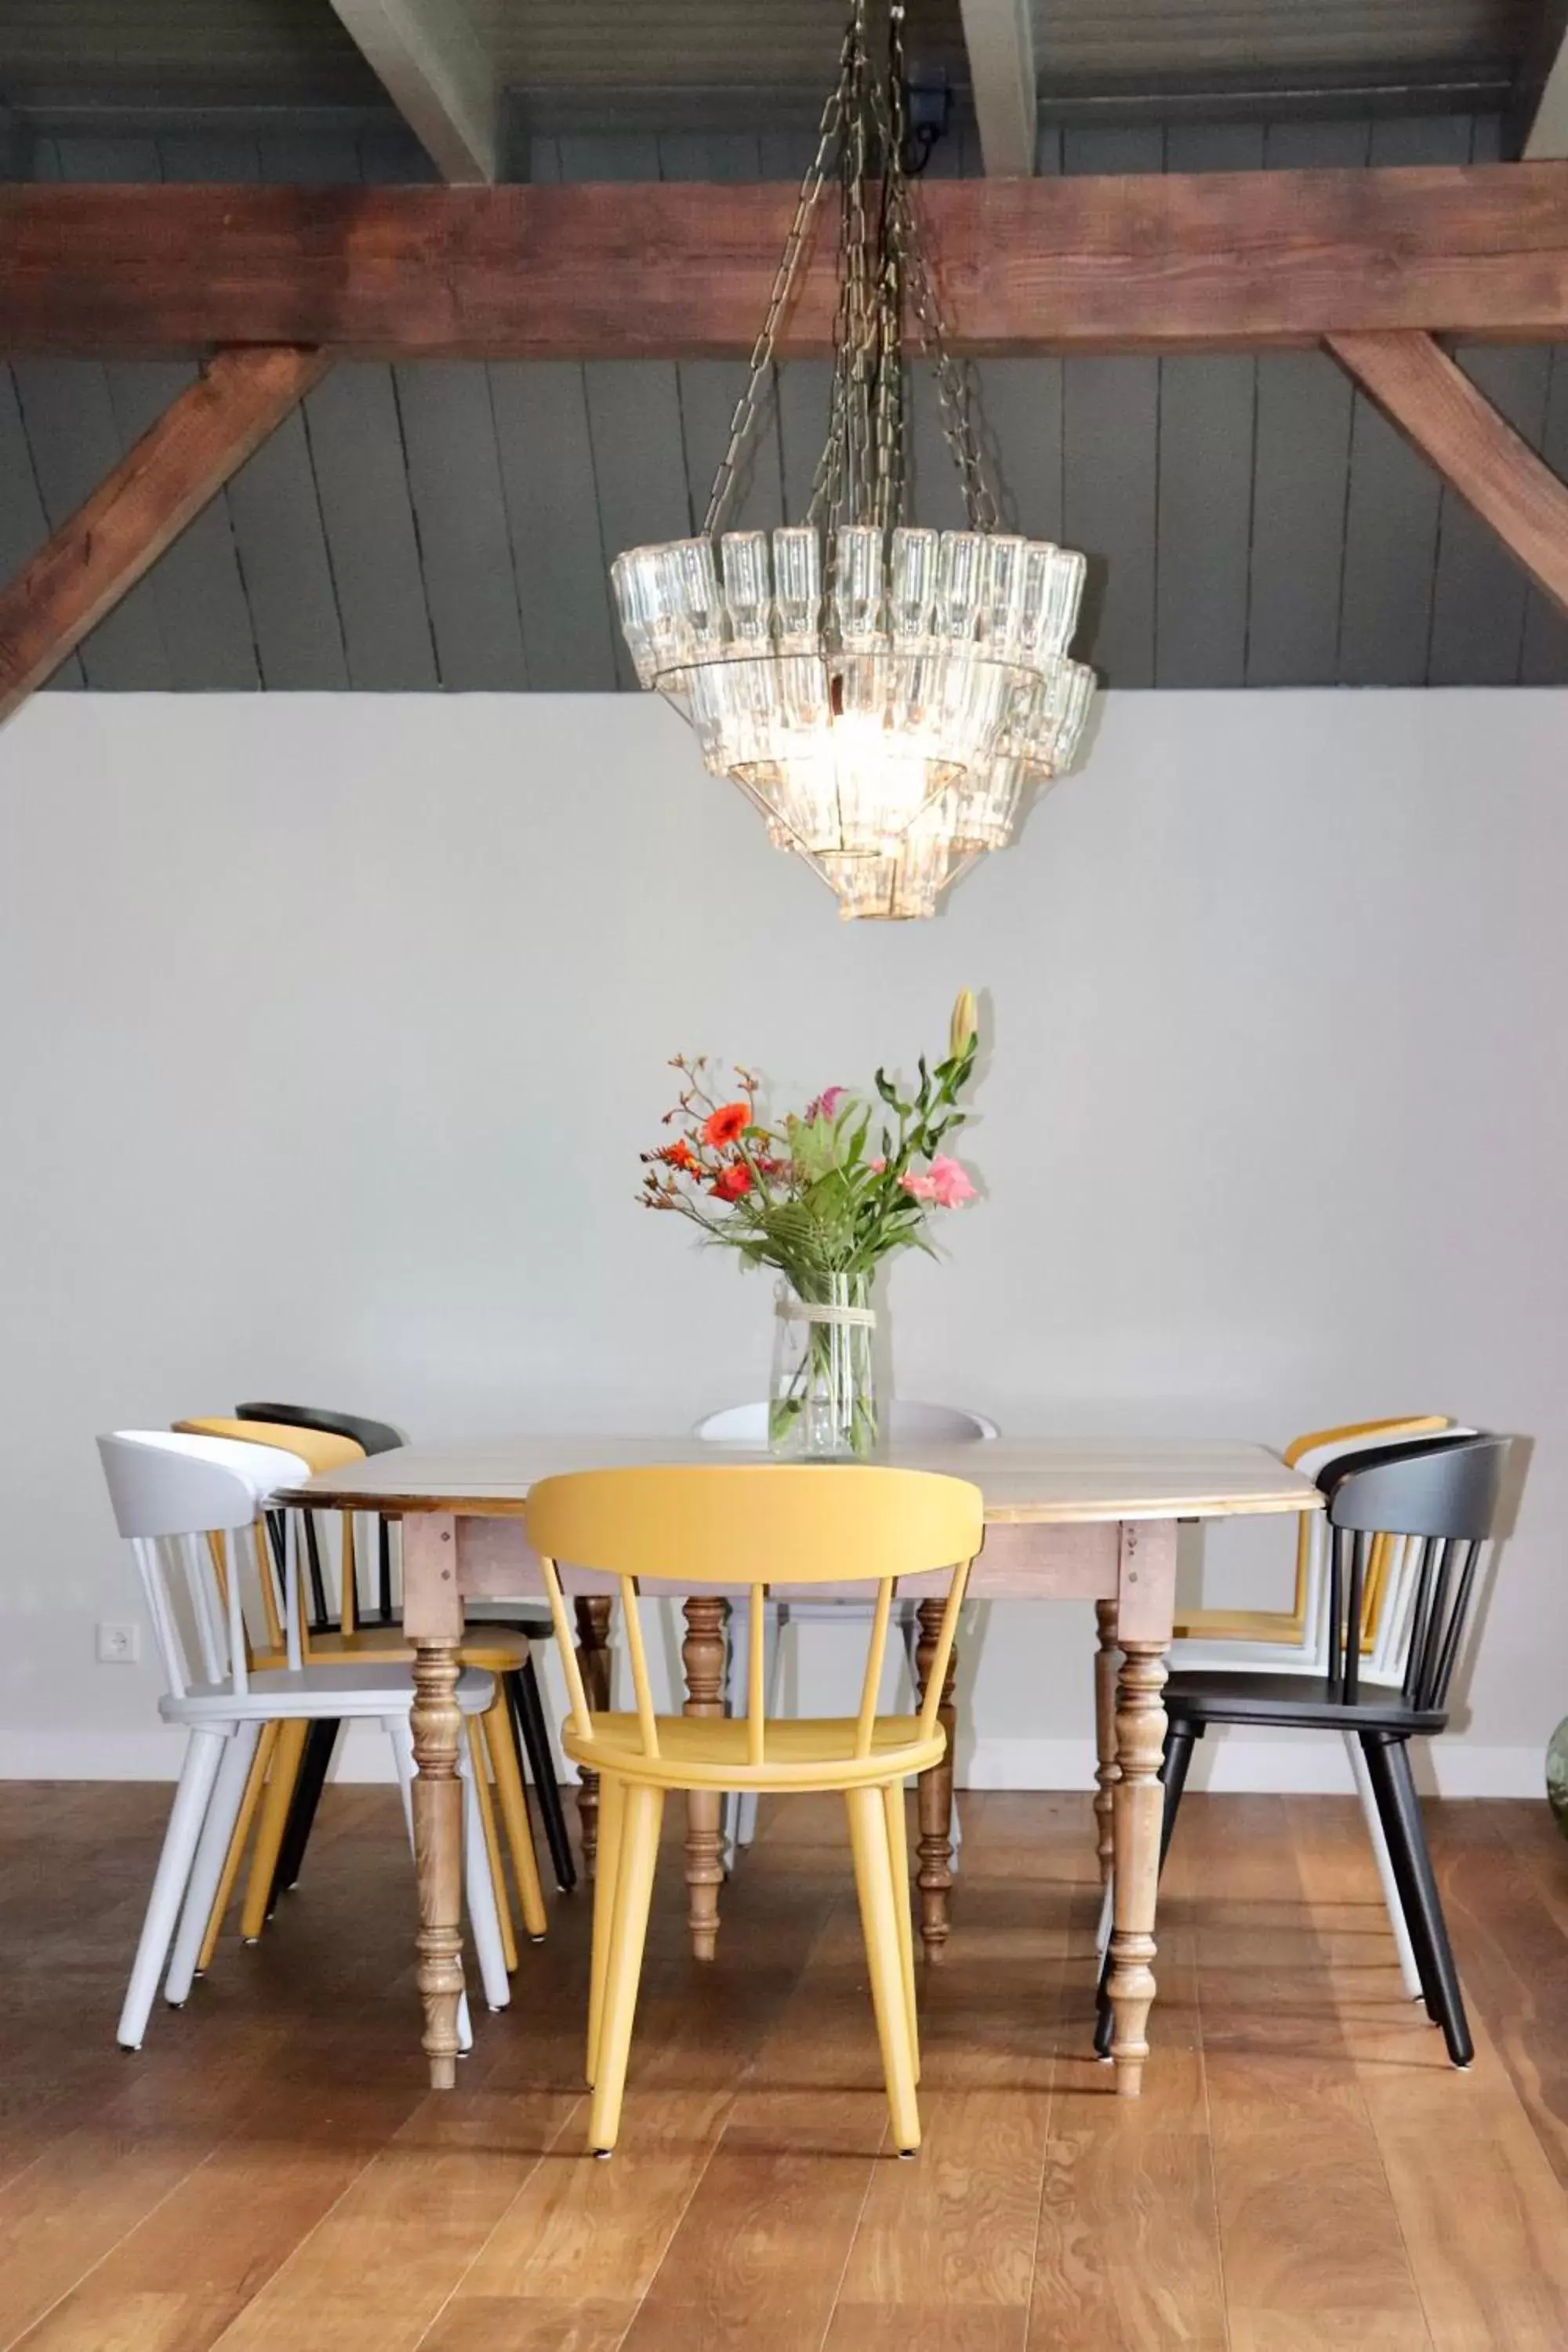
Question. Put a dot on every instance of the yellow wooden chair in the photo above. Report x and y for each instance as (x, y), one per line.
(275, 1773)
(790, 1525)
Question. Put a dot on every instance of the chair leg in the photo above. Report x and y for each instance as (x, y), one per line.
(644, 1811)
(275, 1802)
(1408, 1971)
(320, 1739)
(513, 1802)
(737, 1668)
(1179, 1739)
(874, 1884)
(534, 1738)
(478, 1886)
(203, 1753)
(477, 1758)
(400, 1735)
(207, 1868)
(605, 1879)
(253, 1785)
(1388, 1762)
(899, 1855)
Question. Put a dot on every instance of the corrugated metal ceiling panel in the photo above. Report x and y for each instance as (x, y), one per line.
(1178, 38)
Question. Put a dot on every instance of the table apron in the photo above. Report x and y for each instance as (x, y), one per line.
(1020, 1561)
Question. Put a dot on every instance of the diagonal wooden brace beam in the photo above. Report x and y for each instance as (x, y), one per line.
(1433, 404)
(185, 457)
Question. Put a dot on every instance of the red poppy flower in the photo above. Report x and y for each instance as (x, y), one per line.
(726, 1125)
(731, 1181)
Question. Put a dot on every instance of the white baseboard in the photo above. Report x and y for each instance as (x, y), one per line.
(1231, 1763)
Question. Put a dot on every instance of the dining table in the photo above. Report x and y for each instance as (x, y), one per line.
(1066, 1520)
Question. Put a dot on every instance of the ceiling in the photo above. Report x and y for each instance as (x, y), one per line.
(777, 56)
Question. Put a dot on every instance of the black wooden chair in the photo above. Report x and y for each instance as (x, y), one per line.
(1442, 1496)
(522, 1687)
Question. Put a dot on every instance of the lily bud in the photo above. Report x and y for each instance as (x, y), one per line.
(965, 1021)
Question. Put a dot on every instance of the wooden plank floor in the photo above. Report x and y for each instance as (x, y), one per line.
(270, 2174)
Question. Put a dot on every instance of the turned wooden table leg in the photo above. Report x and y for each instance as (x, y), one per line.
(433, 1615)
(934, 1792)
(594, 1662)
(1146, 1605)
(1105, 1770)
(703, 1655)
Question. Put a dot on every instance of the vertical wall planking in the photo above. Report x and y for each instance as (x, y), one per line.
(1303, 470)
(273, 504)
(1545, 661)
(1205, 461)
(354, 435)
(1111, 434)
(634, 406)
(709, 389)
(1391, 509)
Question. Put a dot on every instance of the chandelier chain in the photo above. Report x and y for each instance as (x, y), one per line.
(860, 476)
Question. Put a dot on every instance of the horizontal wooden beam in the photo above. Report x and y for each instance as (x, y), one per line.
(1436, 407)
(1172, 262)
(183, 457)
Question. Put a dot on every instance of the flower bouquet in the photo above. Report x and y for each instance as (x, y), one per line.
(824, 1195)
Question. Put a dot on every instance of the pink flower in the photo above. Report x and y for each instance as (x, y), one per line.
(824, 1105)
(949, 1186)
(876, 1166)
(919, 1188)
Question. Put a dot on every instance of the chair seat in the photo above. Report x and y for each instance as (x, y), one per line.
(531, 1617)
(710, 1751)
(336, 1692)
(1292, 1700)
(496, 1651)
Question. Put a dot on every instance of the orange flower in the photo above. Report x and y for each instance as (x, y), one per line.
(680, 1155)
(726, 1125)
(731, 1181)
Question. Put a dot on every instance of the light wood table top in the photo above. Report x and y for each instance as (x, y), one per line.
(1043, 1481)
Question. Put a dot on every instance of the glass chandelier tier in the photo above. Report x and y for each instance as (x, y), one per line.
(887, 696)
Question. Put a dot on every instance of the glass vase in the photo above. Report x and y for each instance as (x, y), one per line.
(821, 1403)
(1557, 1775)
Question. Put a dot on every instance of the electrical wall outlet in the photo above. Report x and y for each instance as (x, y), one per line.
(119, 1645)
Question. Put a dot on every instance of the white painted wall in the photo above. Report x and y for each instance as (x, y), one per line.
(331, 1027)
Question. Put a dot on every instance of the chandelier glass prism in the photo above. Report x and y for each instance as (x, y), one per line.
(889, 696)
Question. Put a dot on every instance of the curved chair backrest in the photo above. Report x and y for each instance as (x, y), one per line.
(370, 1436)
(1311, 1452)
(319, 1449)
(928, 1425)
(1443, 1497)
(789, 1523)
(184, 1503)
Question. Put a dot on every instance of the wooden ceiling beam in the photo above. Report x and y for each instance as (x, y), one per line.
(185, 457)
(1433, 404)
(999, 36)
(1229, 260)
(440, 76)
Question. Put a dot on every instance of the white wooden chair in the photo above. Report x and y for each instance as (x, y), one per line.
(188, 1507)
(912, 1423)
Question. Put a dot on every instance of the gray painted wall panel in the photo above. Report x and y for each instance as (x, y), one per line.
(553, 515)
(1478, 596)
(453, 524)
(1208, 410)
(273, 508)
(1110, 437)
(454, 479)
(24, 526)
(1390, 512)
(633, 407)
(1545, 659)
(1302, 471)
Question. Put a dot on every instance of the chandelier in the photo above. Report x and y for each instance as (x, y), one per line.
(887, 696)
